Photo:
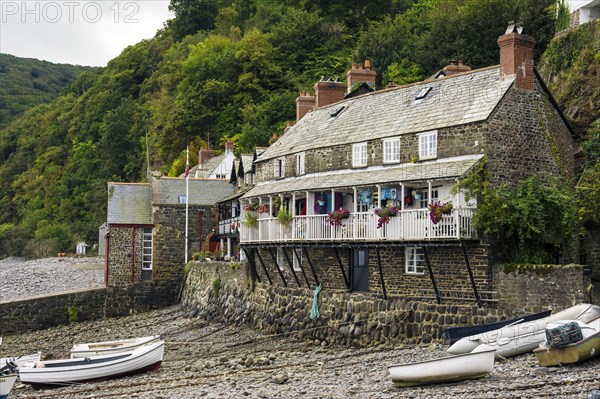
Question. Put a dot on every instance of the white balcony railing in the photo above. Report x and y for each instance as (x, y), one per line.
(407, 225)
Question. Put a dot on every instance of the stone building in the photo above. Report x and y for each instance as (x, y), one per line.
(583, 11)
(344, 194)
(145, 239)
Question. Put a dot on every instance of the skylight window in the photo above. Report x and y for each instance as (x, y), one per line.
(335, 112)
(423, 93)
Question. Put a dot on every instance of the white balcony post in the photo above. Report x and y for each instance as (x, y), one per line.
(332, 227)
(457, 211)
(378, 196)
(221, 245)
(294, 216)
(429, 203)
(309, 205)
(354, 211)
(402, 196)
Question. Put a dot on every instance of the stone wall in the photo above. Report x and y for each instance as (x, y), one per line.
(124, 255)
(447, 264)
(43, 312)
(217, 292)
(531, 288)
(591, 252)
(453, 141)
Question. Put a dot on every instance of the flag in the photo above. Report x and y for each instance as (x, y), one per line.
(187, 162)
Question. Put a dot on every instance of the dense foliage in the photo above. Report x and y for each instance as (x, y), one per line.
(532, 218)
(29, 82)
(221, 69)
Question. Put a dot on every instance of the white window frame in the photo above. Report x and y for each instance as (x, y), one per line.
(359, 154)
(300, 164)
(391, 150)
(428, 145)
(280, 258)
(414, 260)
(147, 248)
(297, 266)
(425, 201)
(279, 168)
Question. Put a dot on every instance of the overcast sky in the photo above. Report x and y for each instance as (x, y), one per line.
(77, 31)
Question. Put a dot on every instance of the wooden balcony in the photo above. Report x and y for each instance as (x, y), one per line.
(408, 225)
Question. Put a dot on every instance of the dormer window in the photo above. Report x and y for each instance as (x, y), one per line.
(428, 145)
(359, 154)
(391, 150)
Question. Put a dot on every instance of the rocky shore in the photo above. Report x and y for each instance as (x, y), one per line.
(21, 278)
(211, 360)
(206, 359)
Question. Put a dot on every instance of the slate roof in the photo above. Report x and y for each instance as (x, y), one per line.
(445, 168)
(129, 203)
(209, 166)
(247, 162)
(166, 191)
(454, 100)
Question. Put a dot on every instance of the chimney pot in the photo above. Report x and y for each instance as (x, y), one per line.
(355, 66)
(516, 57)
(367, 64)
(360, 66)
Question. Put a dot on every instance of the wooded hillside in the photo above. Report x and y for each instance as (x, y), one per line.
(228, 68)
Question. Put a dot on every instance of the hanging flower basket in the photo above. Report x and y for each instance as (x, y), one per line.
(251, 220)
(437, 210)
(335, 218)
(385, 214)
(258, 208)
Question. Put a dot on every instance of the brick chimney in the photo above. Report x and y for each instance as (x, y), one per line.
(516, 56)
(328, 92)
(358, 74)
(229, 146)
(304, 104)
(455, 67)
(204, 155)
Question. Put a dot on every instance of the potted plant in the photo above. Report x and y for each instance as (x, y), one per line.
(284, 217)
(251, 220)
(385, 214)
(335, 218)
(437, 210)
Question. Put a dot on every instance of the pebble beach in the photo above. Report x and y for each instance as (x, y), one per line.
(206, 359)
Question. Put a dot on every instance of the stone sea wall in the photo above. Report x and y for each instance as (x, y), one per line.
(42, 312)
(216, 291)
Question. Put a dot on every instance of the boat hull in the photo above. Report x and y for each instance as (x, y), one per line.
(523, 337)
(576, 352)
(453, 334)
(449, 369)
(6, 384)
(110, 347)
(67, 371)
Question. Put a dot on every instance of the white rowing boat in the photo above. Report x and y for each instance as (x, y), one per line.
(523, 337)
(447, 369)
(110, 347)
(66, 371)
(6, 384)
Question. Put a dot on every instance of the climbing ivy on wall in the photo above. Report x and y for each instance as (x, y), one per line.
(529, 216)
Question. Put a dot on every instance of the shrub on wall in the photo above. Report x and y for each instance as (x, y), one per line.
(529, 216)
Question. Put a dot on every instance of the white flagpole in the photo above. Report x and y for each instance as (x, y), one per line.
(187, 198)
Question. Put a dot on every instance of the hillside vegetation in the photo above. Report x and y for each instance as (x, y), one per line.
(228, 68)
(27, 82)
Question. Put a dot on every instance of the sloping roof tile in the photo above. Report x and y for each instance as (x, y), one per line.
(207, 192)
(446, 168)
(129, 203)
(454, 100)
